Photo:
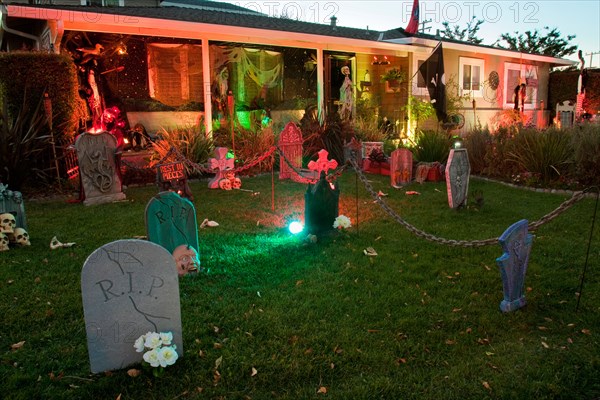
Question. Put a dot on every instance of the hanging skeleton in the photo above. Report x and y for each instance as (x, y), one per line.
(346, 97)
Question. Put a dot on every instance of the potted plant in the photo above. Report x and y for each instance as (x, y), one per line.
(394, 77)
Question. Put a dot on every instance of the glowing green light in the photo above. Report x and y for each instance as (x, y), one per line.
(295, 227)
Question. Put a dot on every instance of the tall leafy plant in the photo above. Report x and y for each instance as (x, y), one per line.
(547, 154)
(23, 138)
(431, 146)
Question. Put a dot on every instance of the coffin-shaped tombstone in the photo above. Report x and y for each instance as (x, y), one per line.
(98, 169)
(129, 288)
(171, 223)
(516, 245)
(401, 165)
(458, 170)
(11, 202)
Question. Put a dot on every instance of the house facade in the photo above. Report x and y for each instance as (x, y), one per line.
(201, 56)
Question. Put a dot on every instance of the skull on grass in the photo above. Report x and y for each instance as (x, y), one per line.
(187, 260)
(225, 184)
(3, 242)
(20, 237)
(236, 183)
(7, 223)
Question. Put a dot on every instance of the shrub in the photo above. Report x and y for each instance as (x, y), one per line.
(431, 146)
(191, 142)
(35, 72)
(249, 145)
(367, 129)
(586, 154)
(478, 143)
(23, 138)
(547, 154)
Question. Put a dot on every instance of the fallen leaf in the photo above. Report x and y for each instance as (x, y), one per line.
(254, 372)
(373, 330)
(586, 332)
(322, 390)
(300, 282)
(218, 362)
(486, 385)
(489, 353)
(542, 328)
(201, 354)
(134, 373)
(569, 340)
(456, 309)
(17, 346)
(332, 366)
(469, 330)
(412, 192)
(545, 345)
(38, 280)
(400, 361)
(119, 397)
(450, 342)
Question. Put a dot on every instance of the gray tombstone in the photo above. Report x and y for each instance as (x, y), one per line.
(516, 245)
(129, 288)
(171, 221)
(458, 170)
(12, 202)
(98, 169)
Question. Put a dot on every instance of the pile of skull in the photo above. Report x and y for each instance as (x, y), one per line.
(11, 234)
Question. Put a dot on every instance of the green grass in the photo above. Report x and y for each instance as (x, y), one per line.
(419, 321)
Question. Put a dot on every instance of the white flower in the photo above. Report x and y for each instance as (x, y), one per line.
(152, 340)
(139, 344)
(342, 222)
(167, 356)
(166, 338)
(152, 357)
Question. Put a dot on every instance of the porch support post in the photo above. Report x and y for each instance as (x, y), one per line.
(207, 92)
(320, 85)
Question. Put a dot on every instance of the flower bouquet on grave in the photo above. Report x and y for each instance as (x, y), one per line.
(342, 223)
(159, 351)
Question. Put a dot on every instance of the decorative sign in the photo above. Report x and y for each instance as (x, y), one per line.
(171, 172)
(128, 288)
(516, 244)
(173, 177)
(458, 170)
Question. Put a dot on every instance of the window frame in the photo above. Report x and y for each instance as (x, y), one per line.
(526, 71)
(473, 62)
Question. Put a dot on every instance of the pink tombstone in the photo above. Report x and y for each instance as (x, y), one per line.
(290, 144)
(322, 163)
(221, 163)
(401, 167)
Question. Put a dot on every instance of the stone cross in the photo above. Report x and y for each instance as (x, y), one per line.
(128, 288)
(98, 168)
(322, 164)
(516, 244)
(221, 163)
(457, 178)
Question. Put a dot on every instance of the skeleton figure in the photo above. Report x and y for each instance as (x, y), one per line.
(3, 242)
(20, 237)
(187, 259)
(7, 223)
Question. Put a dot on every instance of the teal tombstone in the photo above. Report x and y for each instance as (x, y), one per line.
(516, 244)
(171, 221)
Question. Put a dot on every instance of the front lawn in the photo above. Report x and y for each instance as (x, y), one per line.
(276, 317)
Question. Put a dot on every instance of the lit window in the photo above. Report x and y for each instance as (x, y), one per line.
(175, 73)
(470, 76)
(514, 75)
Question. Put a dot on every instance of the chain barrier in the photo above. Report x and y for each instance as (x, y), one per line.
(533, 226)
(450, 242)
